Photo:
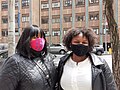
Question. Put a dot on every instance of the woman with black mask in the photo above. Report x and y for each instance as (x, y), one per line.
(81, 69)
(31, 67)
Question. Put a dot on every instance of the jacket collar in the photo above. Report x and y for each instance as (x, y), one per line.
(95, 60)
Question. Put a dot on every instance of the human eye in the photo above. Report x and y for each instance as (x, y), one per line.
(76, 42)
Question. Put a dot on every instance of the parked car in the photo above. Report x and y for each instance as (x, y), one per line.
(98, 49)
(57, 48)
(3, 46)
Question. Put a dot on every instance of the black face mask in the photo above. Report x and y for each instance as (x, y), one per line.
(79, 49)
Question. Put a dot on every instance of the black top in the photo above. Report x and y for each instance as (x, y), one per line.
(19, 73)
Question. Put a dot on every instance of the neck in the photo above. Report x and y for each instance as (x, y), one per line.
(78, 58)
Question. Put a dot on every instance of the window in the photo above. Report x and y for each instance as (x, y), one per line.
(80, 2)
(25, 18)
(16, 4)
(16, 18)
(105, 30)
(4, 32)
(16, 31)
(56, 4)
(56, 33)
(45, 20)
(45, 6)
(94, 16)
(67, 3)
(46, 33)
(4, 19)
(4, 5)
(55, 19)
(67, 18)
(93, 1)
(65, 31)
(96, 30)
(91, 17)
(80, 17)
(25, 3)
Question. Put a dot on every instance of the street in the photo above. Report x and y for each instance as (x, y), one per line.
(107, 57)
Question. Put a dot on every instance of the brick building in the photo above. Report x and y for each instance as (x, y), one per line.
(55, 17)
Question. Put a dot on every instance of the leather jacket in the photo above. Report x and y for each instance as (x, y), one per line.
(102, 78)
(19, 73)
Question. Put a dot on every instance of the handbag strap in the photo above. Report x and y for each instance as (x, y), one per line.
(43, 67)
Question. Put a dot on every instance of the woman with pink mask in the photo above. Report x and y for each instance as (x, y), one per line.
(31, 67)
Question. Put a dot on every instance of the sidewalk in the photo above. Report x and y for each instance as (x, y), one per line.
(106, 53)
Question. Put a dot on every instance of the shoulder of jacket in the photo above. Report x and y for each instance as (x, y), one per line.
(64, 58)
(97, 60)
(11, 61)
(16, 58)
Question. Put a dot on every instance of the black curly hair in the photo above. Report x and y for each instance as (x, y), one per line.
(88, 33)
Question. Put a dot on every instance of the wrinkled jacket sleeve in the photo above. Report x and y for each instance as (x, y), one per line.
(9, 74)
(110, 82)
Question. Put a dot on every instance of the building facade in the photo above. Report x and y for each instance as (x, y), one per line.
(55, 17)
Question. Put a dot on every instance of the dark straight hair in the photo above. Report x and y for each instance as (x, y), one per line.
(23, 45)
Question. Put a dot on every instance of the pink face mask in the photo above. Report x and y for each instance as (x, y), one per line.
(37, 44)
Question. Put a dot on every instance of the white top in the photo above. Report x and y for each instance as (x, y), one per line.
(77, 76)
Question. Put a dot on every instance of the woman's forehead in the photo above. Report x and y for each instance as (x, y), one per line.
(81, 34)
(37, 33)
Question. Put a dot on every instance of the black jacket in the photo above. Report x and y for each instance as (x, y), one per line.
(102, 78)
(19, 73)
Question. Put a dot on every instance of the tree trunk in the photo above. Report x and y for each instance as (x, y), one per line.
(114, 33)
